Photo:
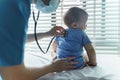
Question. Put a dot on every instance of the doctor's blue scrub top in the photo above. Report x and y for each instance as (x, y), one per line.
(14, 15)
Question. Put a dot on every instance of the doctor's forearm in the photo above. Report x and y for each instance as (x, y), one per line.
(31, 38)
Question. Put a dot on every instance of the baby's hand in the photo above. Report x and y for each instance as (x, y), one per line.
(90, 64)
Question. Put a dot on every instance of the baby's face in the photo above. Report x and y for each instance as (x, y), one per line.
(81, 26)
(84, 27)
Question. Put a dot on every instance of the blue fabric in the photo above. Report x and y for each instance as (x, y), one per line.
(0, 78)
(72, 45)
(14, 15)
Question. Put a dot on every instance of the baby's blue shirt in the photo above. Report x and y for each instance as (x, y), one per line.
(72, 45)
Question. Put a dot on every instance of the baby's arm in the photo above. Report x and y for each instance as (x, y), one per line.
(54, 48)
(91, 55)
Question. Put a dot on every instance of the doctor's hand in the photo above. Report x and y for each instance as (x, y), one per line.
(56, 31)
(63, 64)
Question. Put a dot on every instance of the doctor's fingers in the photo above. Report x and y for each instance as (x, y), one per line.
(70, 65)
(60, 30)
(56, 30)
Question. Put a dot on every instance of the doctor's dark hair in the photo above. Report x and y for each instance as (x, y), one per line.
(75, 14)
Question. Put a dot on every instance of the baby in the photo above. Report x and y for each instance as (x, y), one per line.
(73, 43)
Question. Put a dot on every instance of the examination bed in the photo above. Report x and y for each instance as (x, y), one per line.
(108, 68)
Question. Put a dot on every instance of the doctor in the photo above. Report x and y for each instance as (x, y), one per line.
(14, 15)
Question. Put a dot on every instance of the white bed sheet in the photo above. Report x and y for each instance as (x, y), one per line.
(108, 68)
(88, 73)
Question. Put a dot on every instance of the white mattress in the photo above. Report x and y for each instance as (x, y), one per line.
(108, 68)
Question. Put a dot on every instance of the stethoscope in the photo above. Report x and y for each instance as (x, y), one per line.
(35, 35)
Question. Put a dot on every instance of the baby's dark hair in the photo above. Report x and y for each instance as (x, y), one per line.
(75, 14)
